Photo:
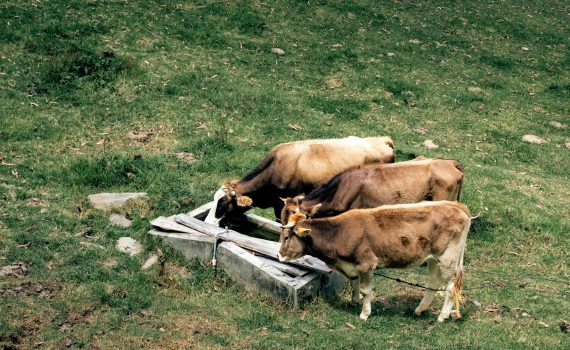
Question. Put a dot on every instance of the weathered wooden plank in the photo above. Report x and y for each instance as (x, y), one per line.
(202, 211)
(287, 268)
(168, 224)
(262, 246)
(264, 223)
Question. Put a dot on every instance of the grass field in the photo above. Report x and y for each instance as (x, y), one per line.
(76, 77)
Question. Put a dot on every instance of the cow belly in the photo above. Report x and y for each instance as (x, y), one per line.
(347, 268)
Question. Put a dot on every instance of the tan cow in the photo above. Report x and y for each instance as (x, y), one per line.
(359, 241)
(293, 168)
(369, 186)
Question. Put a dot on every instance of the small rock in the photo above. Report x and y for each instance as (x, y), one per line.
(334, 83)
(66, 342)
(474, 89)
(120, 220)
(66, 327)
(525, 48)
(112, 200)
(187, 157)
(17, 270)
(545, 325)
(429, 144)
(567, 144)
(140, 136)
(414, 41)
(524, 314)
(557, 125)
(533, 139)
(564, 326)
(421, 131)
(390, 54)
(149, 262)
(277, 51)
(336, 46)
(476, 303)
(129, 245)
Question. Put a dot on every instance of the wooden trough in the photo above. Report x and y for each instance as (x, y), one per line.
(249, 260)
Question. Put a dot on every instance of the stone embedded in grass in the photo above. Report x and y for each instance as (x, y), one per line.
(334, 83)
(474, 89)
(17, 270)
(150, 262)
(277, 51)
(112, 200)
(129, 245)
(141, 136)
(533, 139)
(185, 156)
(557, 125)
(414, 41)
(567, 144)
(120, 220)
(430, 144)
(421, 131)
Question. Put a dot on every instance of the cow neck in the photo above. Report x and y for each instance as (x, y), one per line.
(258, 193)
(323, 238)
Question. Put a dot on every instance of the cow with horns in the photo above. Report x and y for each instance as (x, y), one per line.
(293, 168)
(369, 186)
(359, 241)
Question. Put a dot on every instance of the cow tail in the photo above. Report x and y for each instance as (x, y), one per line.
(457, 286)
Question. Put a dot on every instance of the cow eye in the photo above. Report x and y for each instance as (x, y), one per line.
(286, 238)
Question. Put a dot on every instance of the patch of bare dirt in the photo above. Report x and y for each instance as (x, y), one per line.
(185, 156)
(17, 270)
(140, 136)
(43, 291)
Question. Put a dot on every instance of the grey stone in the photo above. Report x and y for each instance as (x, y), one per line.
(129, 245)
(17, 270)
(429, 144)
(113, 200)
(150, 262)
(533, 139)
(120, 220)
(278, 51)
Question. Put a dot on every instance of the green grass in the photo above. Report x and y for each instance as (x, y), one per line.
(77, 76)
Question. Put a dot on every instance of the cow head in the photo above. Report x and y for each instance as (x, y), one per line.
(292, 239)
(294, 205)
(229, 202)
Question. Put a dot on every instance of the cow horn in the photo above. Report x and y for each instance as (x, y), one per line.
(289, 225)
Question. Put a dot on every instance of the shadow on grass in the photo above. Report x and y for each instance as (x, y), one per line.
(482, 229)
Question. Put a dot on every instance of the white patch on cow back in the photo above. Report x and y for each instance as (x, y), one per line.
(211, 218)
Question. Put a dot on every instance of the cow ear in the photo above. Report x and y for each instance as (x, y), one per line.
(314, 209)
(284, 200)
(302, 232)
(244, 201)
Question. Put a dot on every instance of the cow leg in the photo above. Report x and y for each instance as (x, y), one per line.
(434, 281)
(448, 267)
(277, 211)
(355, 284)
(366, 291)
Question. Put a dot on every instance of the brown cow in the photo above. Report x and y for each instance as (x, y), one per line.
(359, 241)
(369, 186)
(293, 168)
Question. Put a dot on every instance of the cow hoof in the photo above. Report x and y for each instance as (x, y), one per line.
(363, 317)
(418, 312)
(440, 319)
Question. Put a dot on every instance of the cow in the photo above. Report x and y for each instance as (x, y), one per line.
(359, 241)
(369, 186)
(293, 168)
